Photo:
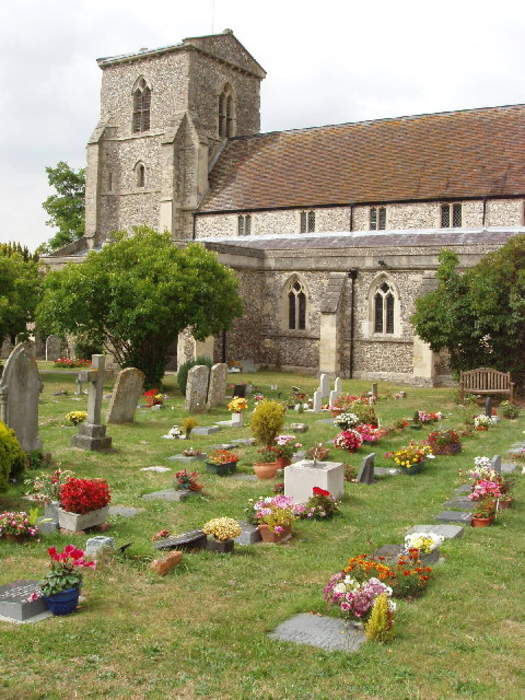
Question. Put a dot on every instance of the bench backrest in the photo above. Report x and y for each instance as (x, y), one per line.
(485, 379)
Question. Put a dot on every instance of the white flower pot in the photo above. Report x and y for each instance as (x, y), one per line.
(81, 521)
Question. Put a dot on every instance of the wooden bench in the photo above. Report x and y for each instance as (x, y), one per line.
(486, 381)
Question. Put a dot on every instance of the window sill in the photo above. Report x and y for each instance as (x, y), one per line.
(384, 339)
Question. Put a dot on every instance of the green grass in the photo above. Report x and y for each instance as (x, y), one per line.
(202, 630)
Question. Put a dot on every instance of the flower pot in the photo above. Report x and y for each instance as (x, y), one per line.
(220, 546)
(195, 488)
(481, 521)
(81, 521)
(63, 603)
(15, 538)
(265, 470)
(414, 469)
(221, 469)
(267, 535)
(282, 462)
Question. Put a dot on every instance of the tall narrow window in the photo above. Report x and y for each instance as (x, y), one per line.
(451, 215)
(296, 306)
(244, 224)
(384, 309)
(307, 221)
(110, 181)
(141, 175)
(377, 219)
(141, 107)
(229, 116)
(226, 113)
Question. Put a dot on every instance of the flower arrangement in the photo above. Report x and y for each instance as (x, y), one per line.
(321, 505)
(349, 440)
(345, 401)
(482, 422)
(277, 512)
(84, 495)
(346, 420)
(509, 410)
(45, 488)
(65, 570)
(426, 418)
(407, 577)
(268, 454)
(424, 542)
(444, 442)
(192, 452)
(188, 424)
(18, 525)
(369, 433)
(75, 417)
(410, 455)
(318, 453)
(237, 405)
(286, 445)
(66, 363)
(222, 457)
(485, 508)
(484, 489)
(222, 529)
(188, 480)
(153, 397)
(355, 599)
(365, 411)
(174, 433)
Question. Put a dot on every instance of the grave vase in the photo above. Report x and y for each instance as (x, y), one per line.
(414, 469)
(63, 603)
(220, 546)
(269, 536)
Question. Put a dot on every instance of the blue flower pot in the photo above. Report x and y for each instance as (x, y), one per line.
(63, 603)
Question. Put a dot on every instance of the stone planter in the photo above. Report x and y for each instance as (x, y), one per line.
(82, 521)
(269, 536)
(265, 470)
(221, 469)
(220, 546)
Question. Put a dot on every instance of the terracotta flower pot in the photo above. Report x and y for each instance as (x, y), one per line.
(268, 535)
(283, 462)
(195, 487)
(478, 521)
(265, 470)
(15, 538)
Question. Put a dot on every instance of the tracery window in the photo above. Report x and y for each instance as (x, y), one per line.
(226, 113)
(244, 224)
(296, 306)
(141, 106)
(384, 309)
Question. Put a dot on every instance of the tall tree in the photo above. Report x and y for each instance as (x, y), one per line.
(479, 317)
(137, 294)
(20, 288)
(66, 207)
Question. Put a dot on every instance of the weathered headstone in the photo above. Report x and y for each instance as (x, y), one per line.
(488, 406)
(317, 401)
(92, 434)
(301, 477)
(54, 348)
(495, 463)
(333, 396)
(338, 385)
(366, 471)
(195, 539)
(217, 387)
(249, 534)
(126, 394)
(324, 385)
(20, 388)
(16, 603)
(374, 391)
(6, 349)
(328, 633)
(197, 389)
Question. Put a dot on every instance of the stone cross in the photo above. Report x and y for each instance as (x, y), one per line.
(366, 471)
(92, 434)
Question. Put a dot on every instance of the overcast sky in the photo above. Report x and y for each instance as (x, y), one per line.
(327, 62)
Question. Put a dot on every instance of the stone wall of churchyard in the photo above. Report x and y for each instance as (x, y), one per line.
(243, 341)
(505, 212)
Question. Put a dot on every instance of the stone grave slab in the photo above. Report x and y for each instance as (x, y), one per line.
(125, 397)
(243, 477)
(459, 504)
(328, 633)
(243, 441)
(222, 446)
(301, 477)
(299, 427)
(448, 532)
(386, 471)
(15, 605)
(205, 430)
(158, 469)
(454, 516)
(171, 495)
(508, 468)
(464, 488)
(124, 511)
(391, 553)
(325, 420)
(194, 539)
(249, 534)
(185, 459)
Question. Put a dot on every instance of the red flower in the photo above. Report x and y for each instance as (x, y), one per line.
(320, 492)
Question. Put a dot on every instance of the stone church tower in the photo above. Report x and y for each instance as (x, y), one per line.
(166, 115)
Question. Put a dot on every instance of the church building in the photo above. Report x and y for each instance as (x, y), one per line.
(333, 231)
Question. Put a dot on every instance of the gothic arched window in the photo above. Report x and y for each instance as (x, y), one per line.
(226, 113)
(141, 106)
(141, 174)
(384, 309)
(296, 306)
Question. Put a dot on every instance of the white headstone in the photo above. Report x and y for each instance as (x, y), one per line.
(324, 385)
(301, 477)
(334, 395)
(317, 401)
(338, 385)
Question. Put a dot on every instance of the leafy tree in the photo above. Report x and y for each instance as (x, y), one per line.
(137, 294)
(10, 249)
(479, 317)
(66, 207)
(20, 288)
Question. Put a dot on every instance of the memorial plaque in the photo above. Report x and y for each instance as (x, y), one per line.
(16, 603)
(195, 539)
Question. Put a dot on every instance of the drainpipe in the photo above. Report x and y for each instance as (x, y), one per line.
(352, 275)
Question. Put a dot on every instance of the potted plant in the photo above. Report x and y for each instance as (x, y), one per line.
(483, 516)
(482, 422)
(444, 442)
(349, 440)
(222, 462)
(237, 407)
(223, 531)
(285, 446)
(355, 599)
(18, 527)
(187, 425)
(346, 420)
(61, 586)
(509, 410)
(153, 397)
(83, 503)
(266, 467)
(411, 458)
(45, 488)
(321, 505)
(370, 433)
(275, 516)
(187, 481)
(266, 423)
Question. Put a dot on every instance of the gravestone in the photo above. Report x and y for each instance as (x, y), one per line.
(448, 532)
(125, 511)
(92, 434)
(324, 385)
(495, 463)
(217, 387)
(6, 349)
(366, 471)
(15, 603)
(374, 392)
(488, 406)
(100, 548)
(301, 477)
(197, 389)
(249, 534)
(317, 401)
(332, 398)
(459, 504)
(206, 429)
(126, 394)
(454, 516)
(54, 348)
(171, 495)
(195, 539)
(464, 488)
(328, 633)
(20, 388)
(338, 385)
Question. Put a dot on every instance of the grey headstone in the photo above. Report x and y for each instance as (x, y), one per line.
(249, 534)
(205, 430)
(464, 488)
(125, 511)
(332, 398)
(126, 394)
(243, 441)
(508, 468)
(55, 348)
(488, 406)
(324, 385)
(317, 401)
(95, 545)
(459, 504)
(366, 471)
(20, 388)
(448, 532)
(454, 516)
(299, 427)
(197, 389)
(217, 387)
(195, 539)
(328, 633)
(168, 495)
(14, 603)
(495, 463)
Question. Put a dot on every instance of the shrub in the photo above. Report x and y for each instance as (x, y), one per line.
(509, 410)
(364, 412)
(379, 627)
(84, 495)
(182, 374)
(12, 457)
(86, 345)
(267, 421)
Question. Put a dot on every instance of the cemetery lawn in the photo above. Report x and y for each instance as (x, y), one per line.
(202, 630)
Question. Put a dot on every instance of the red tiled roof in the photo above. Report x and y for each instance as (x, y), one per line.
(471, 153)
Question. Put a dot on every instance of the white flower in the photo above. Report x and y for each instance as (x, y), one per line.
(431, 456)
(340, 588)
